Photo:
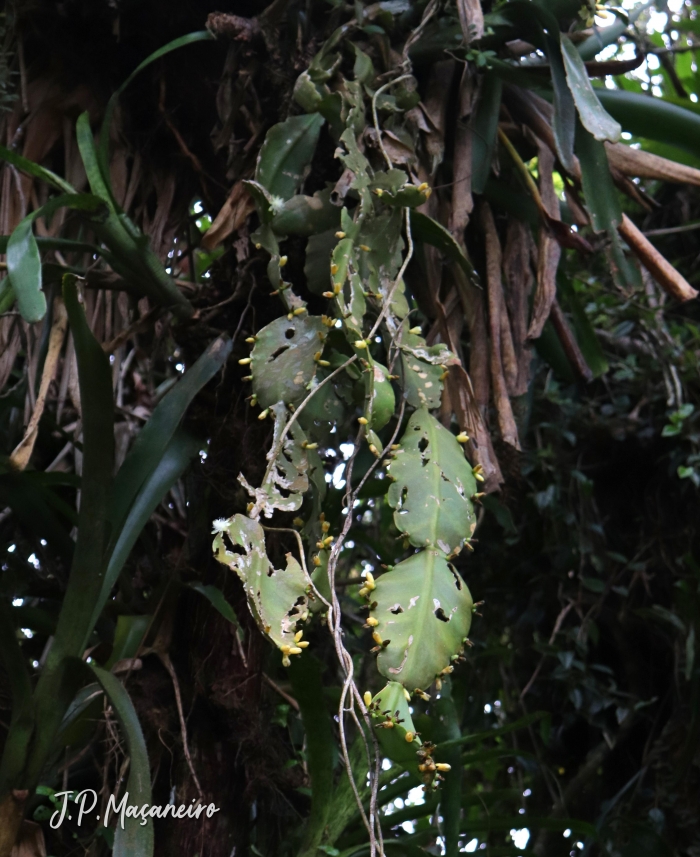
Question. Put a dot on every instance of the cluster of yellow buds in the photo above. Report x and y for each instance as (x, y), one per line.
(430, 769)
(296, 649)
(369, 584)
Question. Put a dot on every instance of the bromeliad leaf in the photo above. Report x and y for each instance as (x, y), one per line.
(286, 154)
(424, 612)
(277, 599)
(433, 486)
(283, 359)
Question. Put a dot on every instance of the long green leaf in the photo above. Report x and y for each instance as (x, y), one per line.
(154, 437)
(307, 684)
(182, 41)
(130, 253)
(522, 723)
(594, 117)
(87, 570)
(447, 728)
(217, 600)
(653, 118)
(35, 170)
(431, 232)
(24, 271)
(171, 464)
(484, 129)
(24, 259)
(63, 244)
(585, 334)
(15, 663)
(601, 196)
(134, 839)
(564, 115)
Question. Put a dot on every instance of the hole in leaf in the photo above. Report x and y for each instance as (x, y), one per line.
(440, 613)
(276, 353)
(396, 609)
(423, 444)
(290, 333)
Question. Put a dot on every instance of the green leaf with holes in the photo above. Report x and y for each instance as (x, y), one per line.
(287, 477)
(286, 154)
(433, 486)
(277, 599)
(424, 610)
(283, 359)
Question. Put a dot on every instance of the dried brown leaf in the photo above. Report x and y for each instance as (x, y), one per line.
(549, 249)
(518, 285)
(506, 421)
(23, 451)
(233, 214)
(471, 19)
(462, 201)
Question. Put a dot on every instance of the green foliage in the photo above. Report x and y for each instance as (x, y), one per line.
(362, 368)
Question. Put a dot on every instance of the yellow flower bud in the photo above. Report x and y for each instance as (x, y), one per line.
(295, 650)
(416, 331)
(377, 638)
(298, 636)
(286, 662)
(283, 261)
(462, 437)
(365, 248)
(317, 560)
(340, 235)
(329, 294)
(367, 697)
(372, 622)
(334, 269)
(364, 592)
(263, 414)
(285, 649)
(251, 339)
(299, 310)
(442, 766)
(409, 737)
(362, 421)
(244, 361)
(298, 522)
(423, 186)
(360, 344)
(302, 644)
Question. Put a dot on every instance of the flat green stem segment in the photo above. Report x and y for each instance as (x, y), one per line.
(433, 486)
(286, 154)
(425, 611)
(593, 115)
